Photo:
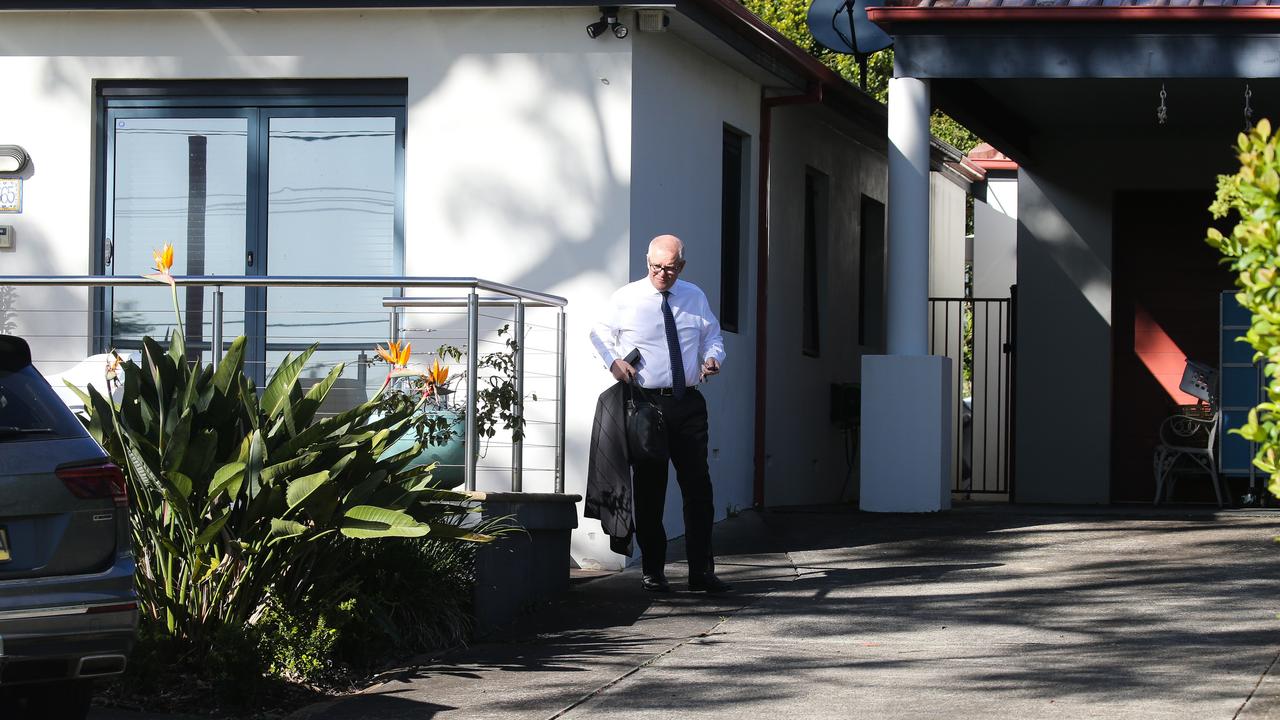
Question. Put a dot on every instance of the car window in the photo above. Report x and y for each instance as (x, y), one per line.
(30, 410)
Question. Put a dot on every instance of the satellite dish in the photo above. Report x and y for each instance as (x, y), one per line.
(829, 22)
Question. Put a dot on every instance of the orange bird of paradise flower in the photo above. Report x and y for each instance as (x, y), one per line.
(164, 263)
(394, 355)
(438, 373)
(163, 258)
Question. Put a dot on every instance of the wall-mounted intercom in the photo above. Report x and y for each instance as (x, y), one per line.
(6, 237)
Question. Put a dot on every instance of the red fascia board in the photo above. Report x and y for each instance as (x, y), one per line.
(989, 165)
(891, 16)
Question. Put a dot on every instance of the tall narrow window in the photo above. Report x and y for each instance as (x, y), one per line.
(871, 275)
(815, 210)
(732, 225)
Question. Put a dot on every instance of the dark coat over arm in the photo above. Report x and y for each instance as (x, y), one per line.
(609, 493)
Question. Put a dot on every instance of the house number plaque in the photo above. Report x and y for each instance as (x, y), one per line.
(10, 195)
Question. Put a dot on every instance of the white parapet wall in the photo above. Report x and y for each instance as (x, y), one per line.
(906, 433)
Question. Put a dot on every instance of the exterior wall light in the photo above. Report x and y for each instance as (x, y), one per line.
(13, 159)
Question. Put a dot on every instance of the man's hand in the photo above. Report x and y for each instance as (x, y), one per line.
(710, 367)
(622, 370)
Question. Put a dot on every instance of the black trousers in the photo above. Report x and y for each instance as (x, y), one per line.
(686, 421)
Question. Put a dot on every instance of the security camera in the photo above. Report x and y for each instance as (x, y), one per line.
(619, 31)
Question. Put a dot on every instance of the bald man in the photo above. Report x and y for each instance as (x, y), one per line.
(670, 323)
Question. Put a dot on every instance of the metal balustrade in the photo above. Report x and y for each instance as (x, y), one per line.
(71, 317)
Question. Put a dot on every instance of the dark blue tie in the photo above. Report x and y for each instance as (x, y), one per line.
(673, 348)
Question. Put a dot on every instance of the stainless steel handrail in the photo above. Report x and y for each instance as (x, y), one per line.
(514, 296)
(331, 281)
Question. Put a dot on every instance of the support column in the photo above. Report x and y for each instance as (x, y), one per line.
(907, 394)
(907, 293)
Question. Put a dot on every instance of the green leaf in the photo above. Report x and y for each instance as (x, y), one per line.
(277, 392)
(177, 345)
(212, 529)
(181, 484)
(231, 367)
(229, 478)
(453, 532)
(367, 521)
(281, 529)
(302, 488)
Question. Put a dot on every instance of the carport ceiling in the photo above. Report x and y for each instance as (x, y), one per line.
(1014, 113)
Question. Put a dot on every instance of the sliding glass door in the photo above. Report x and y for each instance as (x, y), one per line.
(265, 186)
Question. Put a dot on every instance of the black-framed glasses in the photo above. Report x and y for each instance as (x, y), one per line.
(664, 269)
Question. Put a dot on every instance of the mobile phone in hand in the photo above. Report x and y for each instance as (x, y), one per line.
(633, 359)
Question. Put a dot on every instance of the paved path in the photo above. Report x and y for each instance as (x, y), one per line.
(976, 613)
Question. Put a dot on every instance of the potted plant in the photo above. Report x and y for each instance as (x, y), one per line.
(440, 419)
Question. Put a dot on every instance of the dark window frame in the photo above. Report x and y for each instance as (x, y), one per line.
(735, 164)
(871, 269)
(817, 195)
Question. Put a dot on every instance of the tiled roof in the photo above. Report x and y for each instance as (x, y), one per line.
(1079, 3)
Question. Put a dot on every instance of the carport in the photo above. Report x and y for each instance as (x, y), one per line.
(1120, 117)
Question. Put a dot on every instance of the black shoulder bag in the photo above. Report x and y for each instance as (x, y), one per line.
(646, 428)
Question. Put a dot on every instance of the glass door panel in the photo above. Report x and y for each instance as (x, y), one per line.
(181, 181)
(331, 210)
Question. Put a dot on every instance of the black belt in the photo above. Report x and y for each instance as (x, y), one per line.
(665, 392)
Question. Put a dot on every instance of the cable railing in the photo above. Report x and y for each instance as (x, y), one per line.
(343, 317)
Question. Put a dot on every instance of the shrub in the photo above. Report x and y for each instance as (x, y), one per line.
(1253, 250)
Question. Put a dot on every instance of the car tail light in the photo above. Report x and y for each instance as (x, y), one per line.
(95, 481)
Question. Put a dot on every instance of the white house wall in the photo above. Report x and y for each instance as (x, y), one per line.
(518, 150)
(805, 455)
(682, 100)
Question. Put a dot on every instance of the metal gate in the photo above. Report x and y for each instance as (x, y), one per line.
(977, 334)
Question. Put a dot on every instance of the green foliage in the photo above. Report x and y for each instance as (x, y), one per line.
(1253, 251)
(298, 644)
(496, 396)
(238, 497)
(789, 18)
(411, 596)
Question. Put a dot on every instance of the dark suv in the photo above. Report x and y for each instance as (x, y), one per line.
(68, 610)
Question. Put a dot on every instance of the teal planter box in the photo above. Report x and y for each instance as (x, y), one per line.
(450, 457)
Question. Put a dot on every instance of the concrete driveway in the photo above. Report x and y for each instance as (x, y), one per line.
(982, 612)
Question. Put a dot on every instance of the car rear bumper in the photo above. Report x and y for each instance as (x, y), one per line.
(67, 627)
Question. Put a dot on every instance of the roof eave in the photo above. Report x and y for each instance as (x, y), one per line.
(898, 18)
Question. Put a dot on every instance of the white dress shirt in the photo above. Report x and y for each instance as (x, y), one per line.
(633, 320)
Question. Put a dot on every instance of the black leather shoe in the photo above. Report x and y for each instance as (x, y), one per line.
(655, 583)
(709, 583)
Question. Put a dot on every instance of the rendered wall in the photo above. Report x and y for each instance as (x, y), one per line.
(806, 458)
(682, 100)
(518, 152)
(995, 238)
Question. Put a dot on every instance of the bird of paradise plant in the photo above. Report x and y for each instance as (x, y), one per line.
(238, 493)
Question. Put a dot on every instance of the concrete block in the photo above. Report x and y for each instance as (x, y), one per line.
(906, 433)
(520, 572)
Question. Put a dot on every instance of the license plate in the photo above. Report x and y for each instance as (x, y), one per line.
(4, 546)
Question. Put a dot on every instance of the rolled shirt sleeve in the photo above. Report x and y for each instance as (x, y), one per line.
(711, 343)
(604, 334)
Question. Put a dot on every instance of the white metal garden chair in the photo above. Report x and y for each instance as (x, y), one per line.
(1188, 437)
(1187, 442)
